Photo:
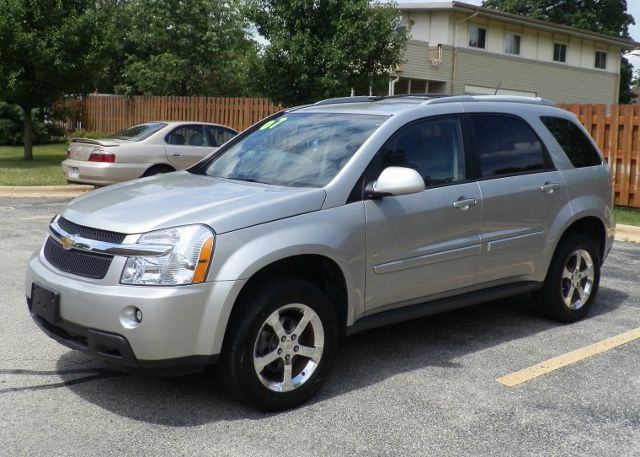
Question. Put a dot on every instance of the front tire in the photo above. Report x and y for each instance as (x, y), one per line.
(280, 343)
(572, 281)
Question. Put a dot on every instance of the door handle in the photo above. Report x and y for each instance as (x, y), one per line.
(549, 187)
(176, 155)
(464, 203)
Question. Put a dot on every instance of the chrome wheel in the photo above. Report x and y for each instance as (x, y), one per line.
(288, 348)
(578, 278)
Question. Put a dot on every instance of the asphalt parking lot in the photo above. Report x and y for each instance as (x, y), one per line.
(426, 387)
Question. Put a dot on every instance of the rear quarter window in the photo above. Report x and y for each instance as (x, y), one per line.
(507, 145)
(573, 141)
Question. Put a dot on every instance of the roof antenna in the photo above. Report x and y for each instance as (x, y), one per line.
(497, 88)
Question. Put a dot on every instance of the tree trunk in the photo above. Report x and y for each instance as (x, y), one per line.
(27, 134)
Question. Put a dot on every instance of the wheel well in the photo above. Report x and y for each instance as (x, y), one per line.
(591, 227)
(158, 168)
(318, 270)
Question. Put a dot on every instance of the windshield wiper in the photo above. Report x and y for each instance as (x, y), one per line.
(246, 179)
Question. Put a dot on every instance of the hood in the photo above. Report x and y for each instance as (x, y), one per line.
(182, 198)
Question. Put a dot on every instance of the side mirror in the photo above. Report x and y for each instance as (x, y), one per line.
(396, 181)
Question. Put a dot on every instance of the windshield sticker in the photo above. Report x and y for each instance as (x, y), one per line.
(273, 123)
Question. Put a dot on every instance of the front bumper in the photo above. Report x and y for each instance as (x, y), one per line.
(101, 173)
(181, 326)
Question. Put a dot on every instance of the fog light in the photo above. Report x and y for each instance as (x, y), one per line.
(130, 316)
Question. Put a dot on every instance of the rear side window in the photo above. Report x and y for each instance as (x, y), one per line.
(218, 135)
(573, 141)
(507, 145)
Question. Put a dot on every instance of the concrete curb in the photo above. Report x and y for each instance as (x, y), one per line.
(627, 233)
(43, 191)
(623, 232)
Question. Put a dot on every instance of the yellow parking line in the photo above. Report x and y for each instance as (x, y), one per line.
(527, 374)
(34, 218)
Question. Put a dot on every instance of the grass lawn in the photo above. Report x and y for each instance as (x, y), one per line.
(626, 215)
(43, 170)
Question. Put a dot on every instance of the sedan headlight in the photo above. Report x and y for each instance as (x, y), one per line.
(186, 263)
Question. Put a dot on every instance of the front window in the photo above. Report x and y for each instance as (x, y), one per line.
(432, 147)
(477, 36)
(138, 132)
(512, 44)
(296, 149)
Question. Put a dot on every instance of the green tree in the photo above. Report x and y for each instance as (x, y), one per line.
(323, 48)
(49, 49)
(608, 17)
(177, 47)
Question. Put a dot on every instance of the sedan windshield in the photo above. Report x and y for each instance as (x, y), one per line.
(296, 149)
(138, 132)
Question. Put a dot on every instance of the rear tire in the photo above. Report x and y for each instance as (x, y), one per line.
(279, 345)
(572, 282)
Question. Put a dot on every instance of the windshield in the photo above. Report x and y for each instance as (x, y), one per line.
(138, 132)
(296, 149)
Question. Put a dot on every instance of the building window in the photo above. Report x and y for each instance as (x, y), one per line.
(601, 59)
(512, 43)
(477, 36)
(559, 52)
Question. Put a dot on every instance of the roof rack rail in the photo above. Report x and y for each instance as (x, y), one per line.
(492, 98)
(356, 99)
(376, 98)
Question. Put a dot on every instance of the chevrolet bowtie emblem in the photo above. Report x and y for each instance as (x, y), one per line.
(68, 242)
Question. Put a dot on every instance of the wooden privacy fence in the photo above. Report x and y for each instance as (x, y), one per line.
(618, 137)
(110, 113)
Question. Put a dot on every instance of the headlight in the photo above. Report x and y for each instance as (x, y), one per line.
(186, 263)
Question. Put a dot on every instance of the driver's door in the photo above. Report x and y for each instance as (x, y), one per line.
(423, 245)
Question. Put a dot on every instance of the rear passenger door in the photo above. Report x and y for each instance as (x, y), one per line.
(424, 245)
(522, 195)
(186, 145)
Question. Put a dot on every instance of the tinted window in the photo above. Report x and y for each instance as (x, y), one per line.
(138, 132)
(573, 141)
(432, 147)
(296, 149)
(217, 136)
(187, 135)
(506, 145)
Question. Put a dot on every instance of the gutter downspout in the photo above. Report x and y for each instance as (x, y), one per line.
(455, 47)
(392, 84)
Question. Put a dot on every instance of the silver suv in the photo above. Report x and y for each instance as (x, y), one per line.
(322, 221)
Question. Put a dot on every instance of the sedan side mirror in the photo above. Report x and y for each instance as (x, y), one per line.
(395, 181)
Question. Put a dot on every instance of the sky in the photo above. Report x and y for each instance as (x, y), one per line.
(633, 8)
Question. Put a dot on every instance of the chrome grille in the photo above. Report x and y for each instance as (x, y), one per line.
(79, 263)
(92, 233)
